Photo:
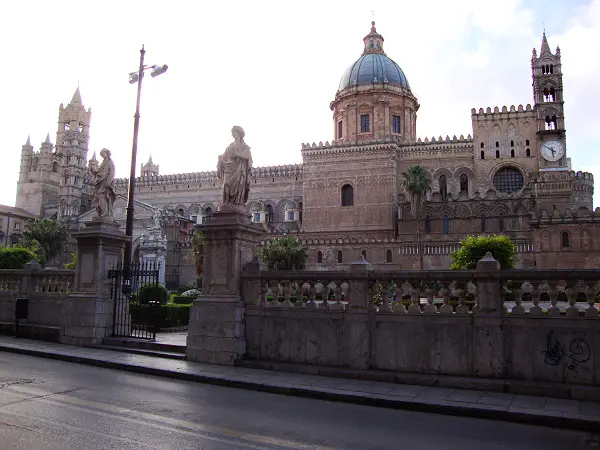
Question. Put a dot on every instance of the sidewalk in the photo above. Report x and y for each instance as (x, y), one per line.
(555, 413)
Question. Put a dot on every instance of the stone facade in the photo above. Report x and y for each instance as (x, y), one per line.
(512, 176)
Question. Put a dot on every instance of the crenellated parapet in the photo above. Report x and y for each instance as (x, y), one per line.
(571, 215)
(505, 112)
(210, 177)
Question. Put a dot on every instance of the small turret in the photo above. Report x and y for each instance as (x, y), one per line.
(47, 146)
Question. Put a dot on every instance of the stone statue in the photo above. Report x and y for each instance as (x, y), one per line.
(104, 193)
(156, 218)
(233, 169)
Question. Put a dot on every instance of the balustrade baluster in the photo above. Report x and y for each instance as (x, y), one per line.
(430, 308)
(385, 305)
(518, 309)
(286, 289)
(536, 293)
(312, 296)
(553, 310)
(337, 295)
(572, 310)
(462, 308)
(446, 308)
(399, 306)
(590, 295)
(414, 307)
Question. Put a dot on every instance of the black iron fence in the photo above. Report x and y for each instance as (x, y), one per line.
(134, 291)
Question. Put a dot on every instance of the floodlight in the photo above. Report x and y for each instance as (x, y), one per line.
(157, 70)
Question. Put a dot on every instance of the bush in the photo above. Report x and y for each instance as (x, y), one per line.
(166, 316)
(73, 263)
(152, 292)
(15, 257)
(192, 293)
(284, 253)
(182, 300)
(473, 248)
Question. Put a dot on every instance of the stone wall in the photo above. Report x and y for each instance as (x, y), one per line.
(47, 291)
(431, 322)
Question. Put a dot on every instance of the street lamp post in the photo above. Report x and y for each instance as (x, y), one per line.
(133, 78)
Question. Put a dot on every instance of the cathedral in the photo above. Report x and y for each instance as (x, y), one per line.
(511, 176)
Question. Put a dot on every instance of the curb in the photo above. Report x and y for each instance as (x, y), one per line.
(528, 418)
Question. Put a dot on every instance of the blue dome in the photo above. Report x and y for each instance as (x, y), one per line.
(374, 68)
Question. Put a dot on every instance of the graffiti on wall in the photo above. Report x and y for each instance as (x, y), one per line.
(577, 353)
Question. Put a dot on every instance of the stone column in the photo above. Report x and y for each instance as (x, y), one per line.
(216, 331)
(87, 316)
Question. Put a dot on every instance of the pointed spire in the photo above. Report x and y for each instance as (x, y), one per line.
(150, 160)
(94, 156)
(47, 141)
(28, 143)
(545, 46)
(76, 100)
(373, 41)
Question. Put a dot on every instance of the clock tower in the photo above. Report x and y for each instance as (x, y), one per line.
(549, 106)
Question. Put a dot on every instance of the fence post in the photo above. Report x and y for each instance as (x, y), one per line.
(252, 282)
(487, 275)
(358, 284)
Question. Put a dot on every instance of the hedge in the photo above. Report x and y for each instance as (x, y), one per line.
(167, 316)
(152, 292)
(182, 300)
(15, 257)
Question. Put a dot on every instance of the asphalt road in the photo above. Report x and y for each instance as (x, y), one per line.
(47, 404)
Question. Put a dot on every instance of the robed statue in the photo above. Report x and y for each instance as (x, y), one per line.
(234, 169)
(104, 192)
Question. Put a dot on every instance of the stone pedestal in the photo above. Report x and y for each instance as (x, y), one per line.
(216, 332)
(87, 315)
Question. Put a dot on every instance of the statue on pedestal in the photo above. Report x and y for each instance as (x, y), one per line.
(104, 193)
(234, 170)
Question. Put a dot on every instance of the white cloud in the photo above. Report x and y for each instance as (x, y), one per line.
(272, 67)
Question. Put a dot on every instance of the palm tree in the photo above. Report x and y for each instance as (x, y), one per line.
(51, 235)
(416, 184)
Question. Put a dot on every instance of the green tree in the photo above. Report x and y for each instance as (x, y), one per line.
(15, 257)
(284, 253)
(416, 185)
(51, 235)
(473, 248)
(34, 247)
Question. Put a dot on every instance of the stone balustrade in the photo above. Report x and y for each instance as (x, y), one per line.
(531, 325)
(46, 290)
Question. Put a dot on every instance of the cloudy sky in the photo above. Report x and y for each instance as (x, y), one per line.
(273, 67)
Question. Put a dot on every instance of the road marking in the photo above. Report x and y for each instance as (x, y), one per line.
(162, 422)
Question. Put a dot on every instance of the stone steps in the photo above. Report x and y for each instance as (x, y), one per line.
(144, 347)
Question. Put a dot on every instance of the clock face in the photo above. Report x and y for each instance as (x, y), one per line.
(552, 150)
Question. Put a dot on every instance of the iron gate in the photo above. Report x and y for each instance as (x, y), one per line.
(135, 315)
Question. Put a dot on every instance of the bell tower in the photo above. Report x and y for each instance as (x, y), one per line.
(72, 138)
(549, 106)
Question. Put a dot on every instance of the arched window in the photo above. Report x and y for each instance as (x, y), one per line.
(319, 257)
(443, 187)
(427, 224)
(497, 154)
(528, 153)
(564, 240)
(270, 214)
(55, 167)
(181, 212)
(497, 144)
(483, 223)
(501, 222)
(508, 180)
(482, 154)
(512, 153)
(512, 143)
(481, 145)
(464, 183)
(551, 123)
(388, 256)
(347, 195)
(340, 259)
(446, 224)
(364, 253)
